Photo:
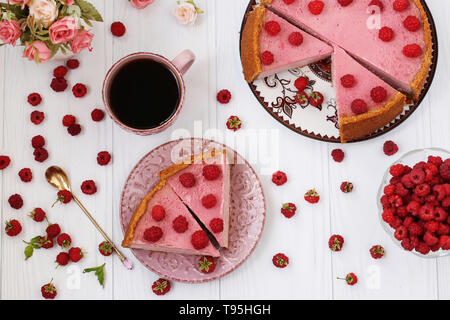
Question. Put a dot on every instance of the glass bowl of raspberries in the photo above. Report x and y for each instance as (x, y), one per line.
(414, 202)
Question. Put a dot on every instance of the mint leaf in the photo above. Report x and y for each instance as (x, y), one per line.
(88, 11)
(99, 272)
(28, 252)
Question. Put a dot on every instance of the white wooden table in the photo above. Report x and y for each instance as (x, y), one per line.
(214, 39)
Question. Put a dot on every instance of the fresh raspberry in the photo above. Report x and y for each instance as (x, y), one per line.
(390, 148)
(160, 287)
(216, 225)
(377, 3)
(272, 28)
(288, 1)
(401, 5)
(88, 187)
(312, 196)
(295, 38)
(336, 242)
(446, 204)
(401, 190)
(359, 106)
(413, 208)
(301, 97)
(58, 84)
(62, 258)
(423, 248)
(37, 117)
(64, 196)
(389, 190)
(267, 58)
(279, 178)
(443, 229)
(64, 240)
(417, 176)
(437, 161)
(388, 215)
(280, 260)
(103, 158)
(48, 291)
(408, 220)
(69, 120)
(396, 201)
(38, 141)
(407, 244)
(158, 213)
(386, 34)
(97, 115)
(402, 212)
(350, 278)
(316, 99)
(118, 29)
(301, 83)
(377, 252)
(426, 212)
(37, 215)
(348, 81)
(444, 171)
(40, 154)
(346, 187)
(46, 242)
(180, 224)
(224, 96)
(444, 242)
(153, 234)
(401, 233)
(234, 123)
(75, 254)
(60, 72)
(72, 63)
(338, 155)
(288, 210)
(412, 23)
(432, 226)
(26, 175)
(15, 201)
(422, 189)
(316, 7)
(345, 3)
(378, 94)
(34, 99)
(412, 50)
(209, 201)
(397, 170)
(4, 162)
(211, 172)
(13, 228)
(105, 248)
(187, 180)
(53, 230)
(206, 264)
(74, 129)
(440, 215)
(199, 239)
(79, 90)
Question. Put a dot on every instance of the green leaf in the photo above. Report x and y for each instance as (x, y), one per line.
(88, 11)
(28, 252)
(99, 272)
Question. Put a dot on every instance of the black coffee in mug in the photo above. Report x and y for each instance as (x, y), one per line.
(144, 94)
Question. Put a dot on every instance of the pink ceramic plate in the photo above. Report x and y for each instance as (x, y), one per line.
(246, 224)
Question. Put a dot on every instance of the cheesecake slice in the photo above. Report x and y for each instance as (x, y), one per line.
(270, 44)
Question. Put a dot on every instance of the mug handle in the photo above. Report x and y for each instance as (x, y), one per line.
(184, 61)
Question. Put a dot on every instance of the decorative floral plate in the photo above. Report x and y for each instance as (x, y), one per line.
(276, 95)
(247, 206)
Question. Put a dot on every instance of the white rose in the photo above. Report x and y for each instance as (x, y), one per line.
(185, 13)
(44, 11)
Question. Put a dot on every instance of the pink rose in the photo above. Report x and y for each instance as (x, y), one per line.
(141, 4)
(186, 13)
(38, 47)
(68, 2)
(81, 41)
(24, 2)
(63, 30)
(10, 31)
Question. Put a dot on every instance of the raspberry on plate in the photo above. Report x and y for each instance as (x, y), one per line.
(338, 155)
(312, 196)
(234, 123)
(301, 83)
(13, 228)
(68, 120)
(72, 63)
(224, 96)
(180, 224)
(26, 175)
(79, 90)
(336, 242)
(118, 29)
(390, 148)
(397, 170)
(34, 99)
(161, 286)
(316, 98)
(60, 72)
(40, 154)
(103, 158)
(295, 39)
(316, 7)
(37, 141)
(301, 98)
(267, 58)
(206, 264)
(279, 178)
(15, 201)
(4, 162)
(377, 252)
(272, 28)
(288, 210)
(37, 117)
(88, 187)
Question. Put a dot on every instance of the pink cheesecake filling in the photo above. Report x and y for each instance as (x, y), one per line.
(171, 240)
(343, 64)
(356, 30)
(286, 55)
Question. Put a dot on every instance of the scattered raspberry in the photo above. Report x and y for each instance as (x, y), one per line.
(295, 38)
(359, 106)
(288, 210)
(234, 123)
(37, 215)
(62, 258)
(401, 5)
(288, 1)
(224, 96)
(211, 172)
(64, 196)
(79, 90)
(390, 148)
(412, 50)
(53, 230)
(338, 155)
(301, 97)
(378, 94)
(209, 201)
(345, 3)
(412, 23)
(64, 240)
(72, 63)
(37, 117)
(180, 224)
(316, 7)
(267, 58)
(312, 196)
(348, 81)
(397, 170)
(346, 187)
(118, 29)
(336, 242)
(199, 239)
(216, 225)
(97, 115)
(88, 187)
(280, 260)
(206, 264)
(26, 175)
(60, 72)
(350, 278)
(46, 242)
(58, 84)
(316, 98)
(74, 129)
(279, 178)
(103, 158)
(4, 162)
(75, 254)
(301, 83)
(160, 287)
(38, 141)
(13, 228)
(272, 28)
(69, 120)
(48, 291)
(377, 252)
(153, 234)
(377, 3)
(187, 180)
(15, 201)
(40, 154)
(105, 248)
(34, 99)
(386, 34)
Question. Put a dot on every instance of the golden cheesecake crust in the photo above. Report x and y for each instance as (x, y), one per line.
(251, 63)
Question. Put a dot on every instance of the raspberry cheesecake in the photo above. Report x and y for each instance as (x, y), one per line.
(271, 44)
(365, 102)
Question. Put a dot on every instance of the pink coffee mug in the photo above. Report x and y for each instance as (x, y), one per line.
(179, 66)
